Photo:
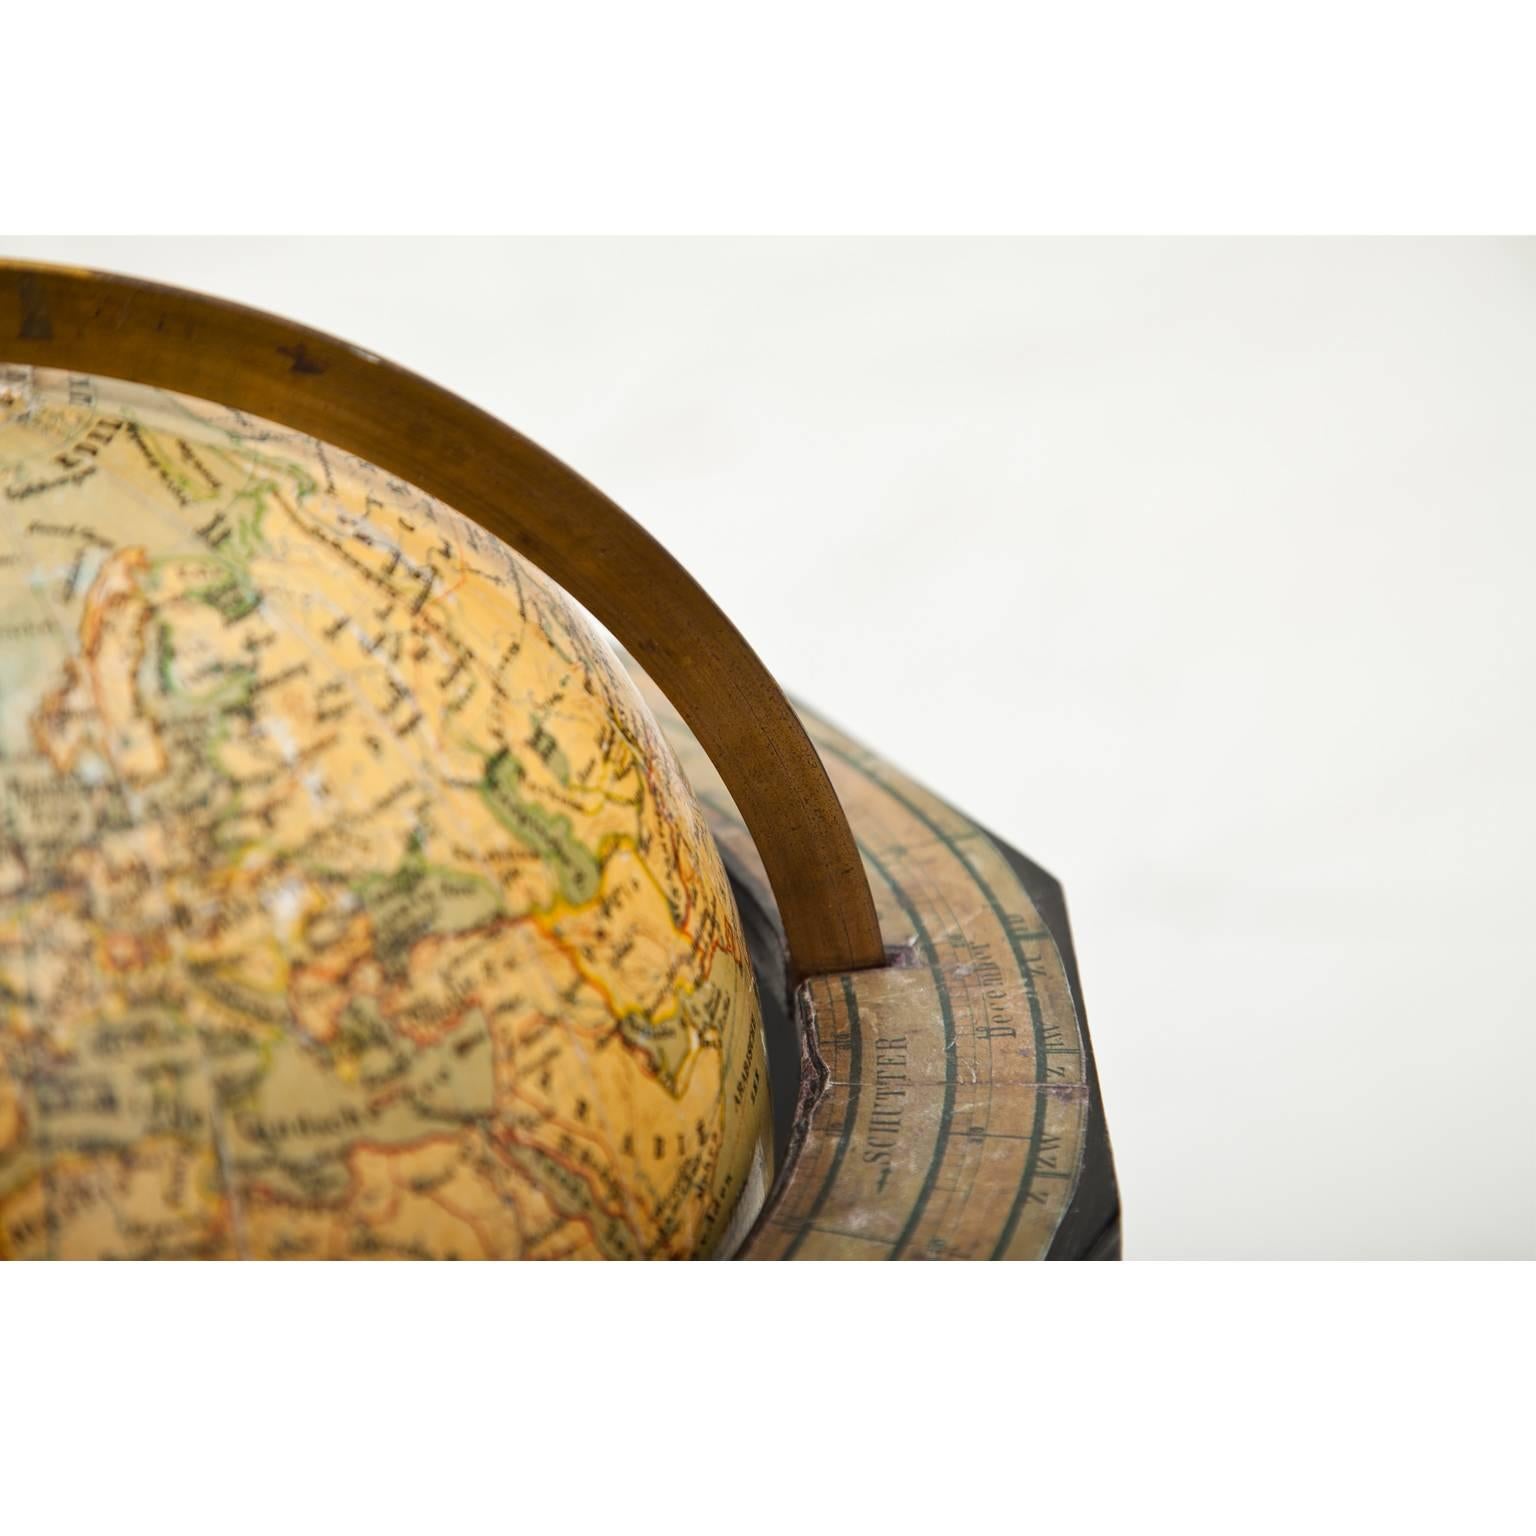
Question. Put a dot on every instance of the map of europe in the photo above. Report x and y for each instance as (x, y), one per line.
(351, 902)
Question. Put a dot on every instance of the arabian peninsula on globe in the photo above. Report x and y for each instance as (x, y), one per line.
(351, 902)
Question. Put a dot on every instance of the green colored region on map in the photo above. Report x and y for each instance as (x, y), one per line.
(419, 900)
(542, 832)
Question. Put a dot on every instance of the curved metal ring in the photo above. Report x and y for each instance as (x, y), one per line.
(95, 322)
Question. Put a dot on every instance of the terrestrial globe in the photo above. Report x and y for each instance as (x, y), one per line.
(351, 902)
(359, 900)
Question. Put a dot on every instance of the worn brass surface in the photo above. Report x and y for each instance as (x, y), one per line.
(123, 328)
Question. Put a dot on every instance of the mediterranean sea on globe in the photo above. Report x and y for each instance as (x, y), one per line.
(351, 902)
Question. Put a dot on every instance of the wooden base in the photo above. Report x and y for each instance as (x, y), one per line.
(946, 1105)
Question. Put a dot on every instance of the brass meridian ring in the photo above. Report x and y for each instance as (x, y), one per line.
(124, 328)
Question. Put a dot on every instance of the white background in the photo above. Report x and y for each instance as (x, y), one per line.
(1199, 570)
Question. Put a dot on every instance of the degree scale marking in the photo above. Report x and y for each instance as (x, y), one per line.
(991, 1172)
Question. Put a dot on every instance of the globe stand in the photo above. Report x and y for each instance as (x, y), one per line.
(929, 1015)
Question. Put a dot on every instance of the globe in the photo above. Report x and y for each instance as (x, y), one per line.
(351, 902)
